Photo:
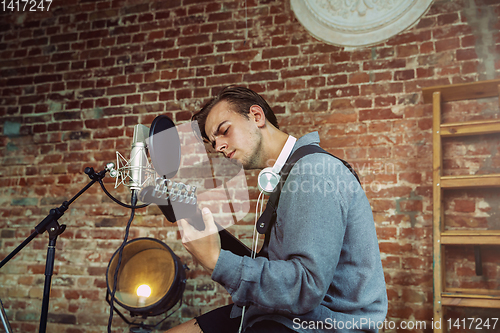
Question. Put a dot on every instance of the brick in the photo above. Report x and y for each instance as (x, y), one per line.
(334, 80)
(446, 19)
(92, 93)
(94, 63)
(311, 71)
(447, 44)
(362, 102)
(382, 89)
(223, 16)
(375, 114)
(411, 205)
(466, 54)
(465, 206)
(338, 92)
(469, 67)
(34, 99)
(404, 51)
(384, 64)
(125, 50)
(280, 64)
(404, 75)
(205, 49)
(20, 81)
(205, 60)
(117, 101)
(425, 72)
(153, 86)
(452, 31)
(35, 42)
(263, 76)
(340, 68)
(411, 177)
(101, 102)
(316, 82)
(116, 111)
(71, 37)
(468, 41)
(150, 97)
(240, 56)
(171, 64)
(146, 17)
(284, 51)
(121, 90)
(152, 77)
(161, 44)
(167, 96)
(410, 37)
(359, 78)
(385, 101)
(239, 68)
(426, 47)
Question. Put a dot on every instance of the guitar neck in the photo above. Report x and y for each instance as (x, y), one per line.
(228, 241)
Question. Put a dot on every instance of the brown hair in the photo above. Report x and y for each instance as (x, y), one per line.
(241, 99)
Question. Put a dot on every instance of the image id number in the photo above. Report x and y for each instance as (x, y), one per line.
(25, 5)
(473, 323)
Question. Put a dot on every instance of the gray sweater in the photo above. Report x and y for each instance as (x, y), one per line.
(324, 272)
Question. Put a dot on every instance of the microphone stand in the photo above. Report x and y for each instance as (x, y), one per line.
(51, 225)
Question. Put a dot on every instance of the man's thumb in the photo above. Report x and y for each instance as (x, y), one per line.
(208, 218)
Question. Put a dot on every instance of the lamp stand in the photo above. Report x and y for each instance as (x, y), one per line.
(139, 329)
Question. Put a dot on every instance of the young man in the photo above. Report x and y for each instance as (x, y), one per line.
(323, 271)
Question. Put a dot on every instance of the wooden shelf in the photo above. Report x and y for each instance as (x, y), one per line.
(459, 92)
(472, 291)
(470, 300)
(470, 128)
(446, 296)
(457, 182)
(470, 237)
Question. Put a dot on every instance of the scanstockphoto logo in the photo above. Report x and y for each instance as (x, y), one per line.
(373, 170)
(357, 324)
(450, 324)
(327, 177)
(195, 178)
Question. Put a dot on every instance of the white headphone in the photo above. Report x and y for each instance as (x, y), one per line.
(269, 177)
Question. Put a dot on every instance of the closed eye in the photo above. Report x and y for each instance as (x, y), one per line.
(223, 133)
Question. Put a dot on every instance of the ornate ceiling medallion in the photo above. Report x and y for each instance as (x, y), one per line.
(357, 23)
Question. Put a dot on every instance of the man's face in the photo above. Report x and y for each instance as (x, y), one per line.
(235, 136)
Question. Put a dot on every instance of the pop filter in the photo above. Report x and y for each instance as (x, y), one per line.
(164, 146)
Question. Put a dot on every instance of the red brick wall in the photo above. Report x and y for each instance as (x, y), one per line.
(74, 81)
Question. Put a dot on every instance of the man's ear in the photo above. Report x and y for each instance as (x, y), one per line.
(258, 115)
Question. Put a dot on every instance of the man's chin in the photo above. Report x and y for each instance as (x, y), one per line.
(236, 162)
(250, 167)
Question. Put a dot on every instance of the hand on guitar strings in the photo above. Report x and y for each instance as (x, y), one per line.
(205, 245)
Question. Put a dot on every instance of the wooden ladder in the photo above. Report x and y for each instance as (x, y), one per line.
(457, 296)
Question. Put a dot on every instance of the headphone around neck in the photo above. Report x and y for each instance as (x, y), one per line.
(269, 177)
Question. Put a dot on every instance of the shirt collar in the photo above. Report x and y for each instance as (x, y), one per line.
(310, 138)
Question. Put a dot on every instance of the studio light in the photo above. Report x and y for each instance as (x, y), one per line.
(150, 280)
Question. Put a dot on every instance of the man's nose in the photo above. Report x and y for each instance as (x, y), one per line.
(221, 147)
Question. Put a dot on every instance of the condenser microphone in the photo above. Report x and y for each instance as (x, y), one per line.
(138, 157)
(135, 172)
